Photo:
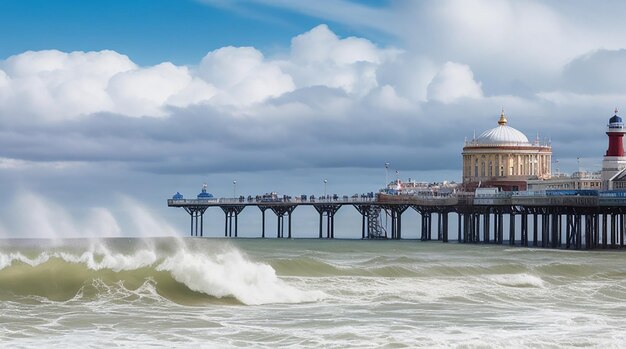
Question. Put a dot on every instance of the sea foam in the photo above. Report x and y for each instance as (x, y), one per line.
(518, 280)
(229, 273)
(220, 272)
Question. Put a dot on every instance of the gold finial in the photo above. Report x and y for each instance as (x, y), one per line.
(502, 120)
(616, 110)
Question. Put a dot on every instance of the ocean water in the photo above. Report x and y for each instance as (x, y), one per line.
(218, 293)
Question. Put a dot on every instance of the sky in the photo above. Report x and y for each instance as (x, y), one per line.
(108, 107)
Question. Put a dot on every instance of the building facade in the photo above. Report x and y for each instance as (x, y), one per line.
(502, 157)
(577, 181)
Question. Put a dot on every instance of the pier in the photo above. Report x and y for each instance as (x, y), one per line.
(575, 220)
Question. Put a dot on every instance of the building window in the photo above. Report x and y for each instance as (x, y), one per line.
(476, 168)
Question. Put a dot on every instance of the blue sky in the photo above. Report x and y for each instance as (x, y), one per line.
(152, 31)
(111, 106)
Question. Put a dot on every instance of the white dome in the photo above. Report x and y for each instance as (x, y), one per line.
(502, 134)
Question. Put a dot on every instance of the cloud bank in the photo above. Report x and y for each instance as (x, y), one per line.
(327, 101)
(322, 103)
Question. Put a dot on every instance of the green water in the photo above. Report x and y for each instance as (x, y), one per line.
(169, 292)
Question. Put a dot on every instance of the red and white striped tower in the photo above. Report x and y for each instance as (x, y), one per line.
(614, 159)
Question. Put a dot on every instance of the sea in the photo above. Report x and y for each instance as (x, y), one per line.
(306, 293)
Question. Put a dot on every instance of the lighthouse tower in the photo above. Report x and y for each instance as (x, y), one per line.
(614, 159)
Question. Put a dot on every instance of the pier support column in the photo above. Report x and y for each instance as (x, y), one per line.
(328, 211)
(444, 234)
(604, 230)
(524, 231)
(495, 227)
(596, 230)
(500, 228)
(568, 230)
(613, 228)
(512, 228)
(426, 223)
(486, 222)
(280, 211)
(476, 227)
(196, 213)
(535, 226)
(466, 227)
(439, 227)
(622, 230)
(459, 225)
(364, 210)
(231, 212)
(263, 208)
(545, 229)
(555, 230)
(396, 219)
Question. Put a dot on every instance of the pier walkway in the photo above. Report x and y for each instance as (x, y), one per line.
(566, 219)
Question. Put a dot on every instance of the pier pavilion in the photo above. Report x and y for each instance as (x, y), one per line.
(502, 157)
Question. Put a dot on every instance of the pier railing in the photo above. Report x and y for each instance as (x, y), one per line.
(420, 200)
(277, 201)
(457, 199)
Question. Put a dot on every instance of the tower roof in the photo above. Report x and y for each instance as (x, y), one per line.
(502, 120)
(615, 119)
(616, 123)
(502, 135)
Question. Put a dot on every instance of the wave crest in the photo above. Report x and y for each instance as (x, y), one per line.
(181, 275)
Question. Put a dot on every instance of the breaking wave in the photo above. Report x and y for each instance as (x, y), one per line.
(180, 274)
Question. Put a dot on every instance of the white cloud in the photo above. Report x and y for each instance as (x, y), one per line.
(53, 85)
(386, 97)
(508, 43)
(321, 45)
(145, 91)
(243, 76)
(319, 57)
(454, 81)
(229, 66)
(409, 74)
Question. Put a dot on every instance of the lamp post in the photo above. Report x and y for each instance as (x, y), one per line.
(386, 174)
(325, 183)
(234, 188)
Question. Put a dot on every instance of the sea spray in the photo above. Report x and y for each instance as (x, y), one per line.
(229, 273)
(173, 267)
(32, 215)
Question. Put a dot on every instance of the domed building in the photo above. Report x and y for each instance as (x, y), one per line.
(204, 195)
(502, 157)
